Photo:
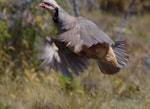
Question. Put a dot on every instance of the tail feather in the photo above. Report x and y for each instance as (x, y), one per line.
(121, 51)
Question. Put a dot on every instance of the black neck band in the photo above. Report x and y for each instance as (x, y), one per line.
(56, 15)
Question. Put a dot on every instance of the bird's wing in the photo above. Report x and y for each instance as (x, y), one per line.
(83, 32)
(58, 57)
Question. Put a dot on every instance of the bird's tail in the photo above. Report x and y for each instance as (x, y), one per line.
(121, 51)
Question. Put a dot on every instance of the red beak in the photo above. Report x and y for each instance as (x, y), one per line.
(42, 5)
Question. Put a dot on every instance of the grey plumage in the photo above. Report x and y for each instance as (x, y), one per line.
(84, 32)
(80, 39)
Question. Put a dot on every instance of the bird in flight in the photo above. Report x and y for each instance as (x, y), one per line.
(79, 40)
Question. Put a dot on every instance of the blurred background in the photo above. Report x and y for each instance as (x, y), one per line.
(24, 86)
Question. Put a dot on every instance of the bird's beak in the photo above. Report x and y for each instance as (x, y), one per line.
(42, 5)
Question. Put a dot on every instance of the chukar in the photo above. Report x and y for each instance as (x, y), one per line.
(80, 39)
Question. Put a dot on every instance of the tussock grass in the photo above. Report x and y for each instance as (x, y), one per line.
(102, 92)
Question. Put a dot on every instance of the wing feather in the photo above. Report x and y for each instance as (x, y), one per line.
(84, 32)
(61, 59)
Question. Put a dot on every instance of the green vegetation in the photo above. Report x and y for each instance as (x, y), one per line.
(24, 86)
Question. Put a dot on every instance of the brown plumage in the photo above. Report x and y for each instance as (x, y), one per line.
(80, 39)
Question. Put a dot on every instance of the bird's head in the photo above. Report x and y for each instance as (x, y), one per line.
(50, 5)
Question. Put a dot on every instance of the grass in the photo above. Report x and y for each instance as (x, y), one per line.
(129, 89)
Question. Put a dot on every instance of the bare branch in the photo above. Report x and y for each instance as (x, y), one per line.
(75, 7)
(127, 13)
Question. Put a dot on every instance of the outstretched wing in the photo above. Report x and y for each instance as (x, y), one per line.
(83, 32)
(58, 57)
